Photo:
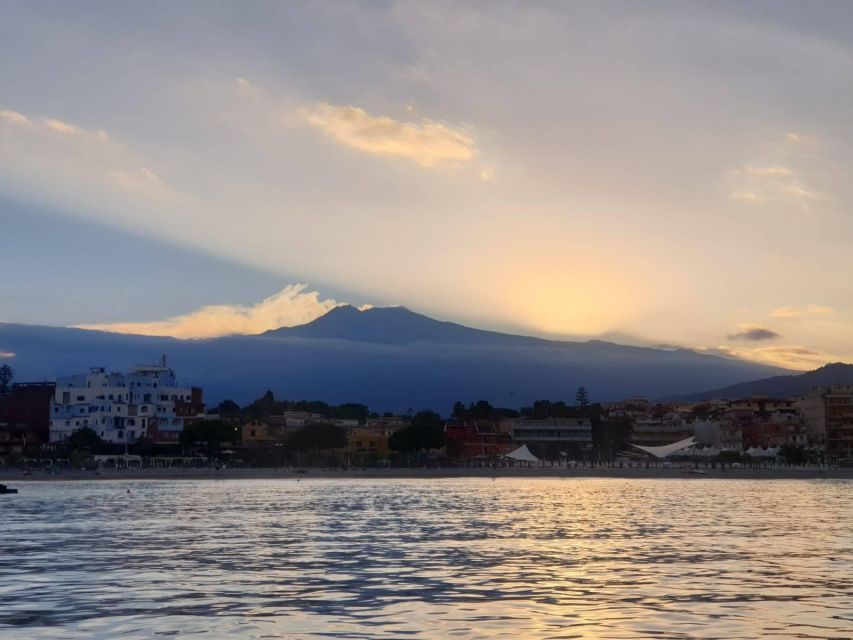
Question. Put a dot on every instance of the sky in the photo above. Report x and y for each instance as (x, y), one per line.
(651, 173)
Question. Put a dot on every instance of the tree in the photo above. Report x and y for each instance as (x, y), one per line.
(481, 410)
(209, 432)
(6, 376)
(582, 398)
(227, 408)
(84, 438)
(793, 454)
(425, 432)
(266, 405)
(318, 437)
(416, 438)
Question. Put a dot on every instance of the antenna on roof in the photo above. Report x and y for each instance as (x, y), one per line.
(164, 361)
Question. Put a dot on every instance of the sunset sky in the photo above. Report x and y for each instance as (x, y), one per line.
(664, 173)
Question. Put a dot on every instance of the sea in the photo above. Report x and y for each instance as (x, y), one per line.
(427, 558)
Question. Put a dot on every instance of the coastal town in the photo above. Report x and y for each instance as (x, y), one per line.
(144, 417)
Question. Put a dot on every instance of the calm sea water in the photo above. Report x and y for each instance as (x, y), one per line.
(461, 558)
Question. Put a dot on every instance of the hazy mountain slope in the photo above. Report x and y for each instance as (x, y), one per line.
(395, 325)
(785, 386)
(401, 360)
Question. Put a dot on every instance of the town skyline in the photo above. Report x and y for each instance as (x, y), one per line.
(616, 171)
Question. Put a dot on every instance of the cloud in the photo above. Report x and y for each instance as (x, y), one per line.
(770, 172)
(748, 196)
(291, 306)
(61, 127)
(15, 118)
(754, 334)
(50, 125)
(796, 357)
(799, 312)
(84, 169)
(791, 357)
(7, 354)
(796, 189)
(142, 180)
(426, 142)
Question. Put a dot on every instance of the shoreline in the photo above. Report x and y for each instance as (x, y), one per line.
(17, 476)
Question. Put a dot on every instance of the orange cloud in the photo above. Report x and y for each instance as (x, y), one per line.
(292, 305)
(426, 142)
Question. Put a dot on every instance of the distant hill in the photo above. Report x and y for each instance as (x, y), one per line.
(786, 386)
(391, 359)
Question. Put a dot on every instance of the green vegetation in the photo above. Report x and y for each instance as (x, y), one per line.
(84, 439)
(425, 432)
(267, 405)
(793, 454)
(210, 433)
(318, 437)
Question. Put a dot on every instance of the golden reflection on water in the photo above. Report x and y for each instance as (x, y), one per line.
(466, 558)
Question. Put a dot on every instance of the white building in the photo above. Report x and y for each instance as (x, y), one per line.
(564, 430)
(119, 407)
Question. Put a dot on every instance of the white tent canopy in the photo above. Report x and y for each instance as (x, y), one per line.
(522, 454)
(668, 449)
(755, 452)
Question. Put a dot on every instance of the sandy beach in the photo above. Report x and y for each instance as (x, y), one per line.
(773, 473)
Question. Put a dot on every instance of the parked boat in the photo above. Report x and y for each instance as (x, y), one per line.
(5, 489)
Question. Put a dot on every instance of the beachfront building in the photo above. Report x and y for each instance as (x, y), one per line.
(761, 422)
(477, 439)
(266, 432)
(828, 417)
(124, 407)
(563, 431)
(653, 432)
(369, 441)
(25, 417)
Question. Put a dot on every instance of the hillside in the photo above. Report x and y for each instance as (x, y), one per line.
(785, 386)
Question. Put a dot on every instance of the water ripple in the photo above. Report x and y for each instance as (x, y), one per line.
(467, 558)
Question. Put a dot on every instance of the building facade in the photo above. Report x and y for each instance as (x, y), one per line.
(576, 431)
(828, 417)
(25, 417)
(124, 407)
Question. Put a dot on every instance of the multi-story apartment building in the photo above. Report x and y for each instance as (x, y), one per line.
(828, 416)
(25, 417)
(124, 407)
(761, 422)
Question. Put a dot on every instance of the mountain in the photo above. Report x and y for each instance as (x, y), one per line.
(395, 325)
(787, 386)
(391, 359)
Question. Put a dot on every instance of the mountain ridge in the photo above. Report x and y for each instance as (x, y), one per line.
(391, 359)
(783, 386)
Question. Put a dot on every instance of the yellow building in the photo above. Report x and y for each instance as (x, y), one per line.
(367, 440)
(258, 433)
